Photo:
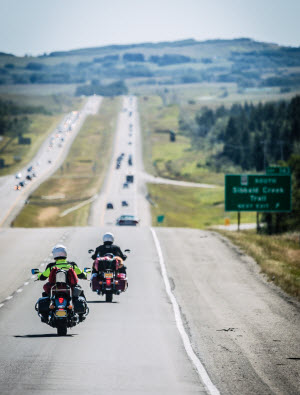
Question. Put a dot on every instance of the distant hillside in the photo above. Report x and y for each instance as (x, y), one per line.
(244, 62)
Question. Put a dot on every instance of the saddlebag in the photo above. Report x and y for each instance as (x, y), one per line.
(43, 305)
(79, 305)
(122, 282)
(95, 282)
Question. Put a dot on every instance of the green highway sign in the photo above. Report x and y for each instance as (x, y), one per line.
(160, 219)
(278, 170)
(263, 193)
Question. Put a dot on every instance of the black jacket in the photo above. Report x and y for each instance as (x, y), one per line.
(108, 248)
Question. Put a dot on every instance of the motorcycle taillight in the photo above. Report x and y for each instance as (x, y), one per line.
(108, 281)
(61, 300)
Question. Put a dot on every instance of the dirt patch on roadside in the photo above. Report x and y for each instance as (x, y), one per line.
(48, 214)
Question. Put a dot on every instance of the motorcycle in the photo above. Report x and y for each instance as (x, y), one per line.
(106, 278)
(61, 310)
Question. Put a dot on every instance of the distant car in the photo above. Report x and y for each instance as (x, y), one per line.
(118, 165)
(127, 220)
(28, 177)
(22, 183)
(19, 175)
(129, 178)
(124, 203)
(129, 142)
(130, 160)
(109, 206)
(30, 169)
(17, 187)
(125, 185)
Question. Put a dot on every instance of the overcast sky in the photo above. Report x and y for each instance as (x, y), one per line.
(38, 26)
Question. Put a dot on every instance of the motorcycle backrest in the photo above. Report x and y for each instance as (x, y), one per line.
(61, 276)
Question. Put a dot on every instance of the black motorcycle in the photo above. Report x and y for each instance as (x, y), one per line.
(61, 309)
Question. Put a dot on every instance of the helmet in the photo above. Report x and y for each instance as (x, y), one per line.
(59, 251)
(108, 237)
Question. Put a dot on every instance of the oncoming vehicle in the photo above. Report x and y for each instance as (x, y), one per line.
(125, 185)
(109, 206)
(124, 203)
(127, 220)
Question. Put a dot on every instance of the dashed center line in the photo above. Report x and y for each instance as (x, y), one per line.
(9, 297)
(1, 305)
(20, 290)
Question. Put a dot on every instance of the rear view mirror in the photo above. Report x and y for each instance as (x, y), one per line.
(87, 270)
(35, 271)
(90, 251)
(127, 250)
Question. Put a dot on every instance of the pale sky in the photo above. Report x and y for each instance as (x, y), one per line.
(38, 26)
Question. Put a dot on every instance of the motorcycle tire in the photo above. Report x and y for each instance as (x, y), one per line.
(109, 297)
(62, 330)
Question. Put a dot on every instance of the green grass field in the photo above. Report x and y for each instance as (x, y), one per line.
(176, 160)
(191, 207)
(79, 179)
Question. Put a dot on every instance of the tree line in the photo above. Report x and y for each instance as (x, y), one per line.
(13, 119)
(253, 137)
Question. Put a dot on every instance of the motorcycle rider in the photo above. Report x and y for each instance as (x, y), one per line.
(109, 248)
(59, 253)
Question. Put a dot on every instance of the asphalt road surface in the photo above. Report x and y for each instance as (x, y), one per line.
(197, 317)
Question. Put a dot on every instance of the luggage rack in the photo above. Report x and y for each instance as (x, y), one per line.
(66, 289)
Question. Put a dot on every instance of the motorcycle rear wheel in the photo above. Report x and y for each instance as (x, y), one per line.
(109, 297)
(62, 330)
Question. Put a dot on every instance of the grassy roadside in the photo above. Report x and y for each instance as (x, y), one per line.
(191, 207)
(278, 256)
(79, 178)
(40, 126)
(175, 160)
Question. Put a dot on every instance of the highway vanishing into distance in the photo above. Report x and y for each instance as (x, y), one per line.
(197, 318)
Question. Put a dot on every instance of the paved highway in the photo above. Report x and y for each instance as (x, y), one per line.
(49, 158)
(197, 317)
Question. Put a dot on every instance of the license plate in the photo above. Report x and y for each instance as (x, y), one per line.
(108, 275)
(61, 313)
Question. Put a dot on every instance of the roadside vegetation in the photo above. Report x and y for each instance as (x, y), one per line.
(277, 255)
(80, 177)
(191, 207)
(175, 160)
(24, 124)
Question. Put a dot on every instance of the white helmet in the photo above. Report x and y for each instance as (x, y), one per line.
(59, 251)
(108, 237)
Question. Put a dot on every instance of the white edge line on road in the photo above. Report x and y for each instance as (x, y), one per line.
(1, 305)
(186, 341)
(26, 283)
(20, 290)
(9, 297)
